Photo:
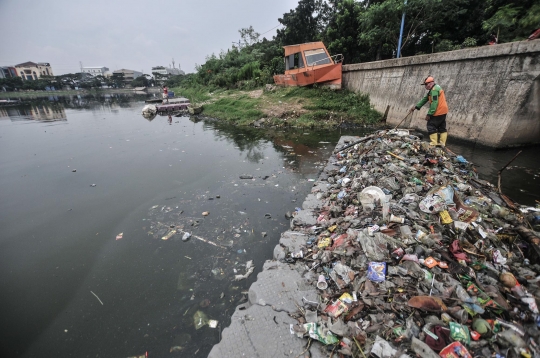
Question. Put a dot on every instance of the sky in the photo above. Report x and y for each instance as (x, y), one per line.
(134, 34)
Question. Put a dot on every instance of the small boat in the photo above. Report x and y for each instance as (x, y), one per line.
(174, 104)
(310, 63)
(139, 89)
(178, 100)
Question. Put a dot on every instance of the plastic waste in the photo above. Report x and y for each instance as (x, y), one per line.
(377, 271)
(443, 236)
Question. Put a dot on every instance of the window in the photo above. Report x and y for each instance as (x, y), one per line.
(316, 57)
(294, 61)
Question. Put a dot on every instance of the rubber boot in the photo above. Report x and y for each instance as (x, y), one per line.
(433, 138)
(442, 138)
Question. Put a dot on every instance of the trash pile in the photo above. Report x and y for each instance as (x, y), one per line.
(413, 254)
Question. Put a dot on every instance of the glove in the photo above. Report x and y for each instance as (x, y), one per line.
(428, 117)
(412, 109)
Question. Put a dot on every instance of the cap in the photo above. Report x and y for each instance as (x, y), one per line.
(428, 80)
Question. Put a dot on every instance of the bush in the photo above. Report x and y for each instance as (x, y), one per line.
(469, 42)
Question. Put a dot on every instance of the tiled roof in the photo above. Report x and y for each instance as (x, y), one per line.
(26, 64)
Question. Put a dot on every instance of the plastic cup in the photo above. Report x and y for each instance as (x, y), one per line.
(460, 315)
(321, 283)
(368, 202)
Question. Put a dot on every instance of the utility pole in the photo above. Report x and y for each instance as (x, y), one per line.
(173, 62)
(80, 64)
(401, 31)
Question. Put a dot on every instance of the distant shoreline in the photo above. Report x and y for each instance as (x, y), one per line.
(35, 94)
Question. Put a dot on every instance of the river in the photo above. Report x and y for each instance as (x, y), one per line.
(89, 189)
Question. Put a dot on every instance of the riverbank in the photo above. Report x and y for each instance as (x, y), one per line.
(280, 107)
(92, 91)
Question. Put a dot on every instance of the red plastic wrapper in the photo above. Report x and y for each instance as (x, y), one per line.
(455, 350)
(336, 309)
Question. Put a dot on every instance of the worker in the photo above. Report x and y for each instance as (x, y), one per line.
(165, 94)
(436, 115)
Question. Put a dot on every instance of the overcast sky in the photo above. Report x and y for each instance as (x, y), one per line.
(134, 34)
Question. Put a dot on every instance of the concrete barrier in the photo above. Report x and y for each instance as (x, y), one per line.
(493, 92)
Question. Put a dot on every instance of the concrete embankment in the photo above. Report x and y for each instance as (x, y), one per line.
(261, 327)
(493, 92)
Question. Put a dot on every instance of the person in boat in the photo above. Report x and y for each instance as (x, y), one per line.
(436, 115)
(165, 94)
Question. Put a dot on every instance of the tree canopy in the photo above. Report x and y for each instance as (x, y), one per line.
(368, 30)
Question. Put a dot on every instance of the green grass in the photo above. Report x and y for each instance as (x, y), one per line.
(323, 107)
(334, 105)
(242, 110)
(196, 94)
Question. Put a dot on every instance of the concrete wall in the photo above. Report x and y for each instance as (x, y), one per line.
(493, 92)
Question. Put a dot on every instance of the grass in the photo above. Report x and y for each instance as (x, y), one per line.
(292, 106)
(240, 110)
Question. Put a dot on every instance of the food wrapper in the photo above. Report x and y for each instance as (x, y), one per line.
(324, 242)
(377, 271)
(336, 308)
(432, 204)
(464, 212)
(346, 298)
(318, 333)
(431, 262)
(455, 350)
(447, 194)
(460, 333)
(445, 217)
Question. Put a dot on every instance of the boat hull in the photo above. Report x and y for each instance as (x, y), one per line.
(328, 75)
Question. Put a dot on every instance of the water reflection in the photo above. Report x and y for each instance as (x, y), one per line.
(39, 112)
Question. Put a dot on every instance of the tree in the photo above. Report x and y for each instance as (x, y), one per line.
(505, 19)
(341, 34)
(249, 36)
(117, 79)
(11, 83)
(306, 23)
(140, 81)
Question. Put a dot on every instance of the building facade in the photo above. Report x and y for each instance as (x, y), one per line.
(8, 72)
(95, 71)
(33, 71)
(129, 75)
(166, 71)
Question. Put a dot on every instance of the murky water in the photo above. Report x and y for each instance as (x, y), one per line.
(71, 287)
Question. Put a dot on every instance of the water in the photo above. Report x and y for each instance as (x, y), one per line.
(70, 289)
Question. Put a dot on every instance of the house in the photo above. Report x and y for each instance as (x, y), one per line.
(33, 71)
(8, 72)
(95, 71)
(129, 75)
(166, 71)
